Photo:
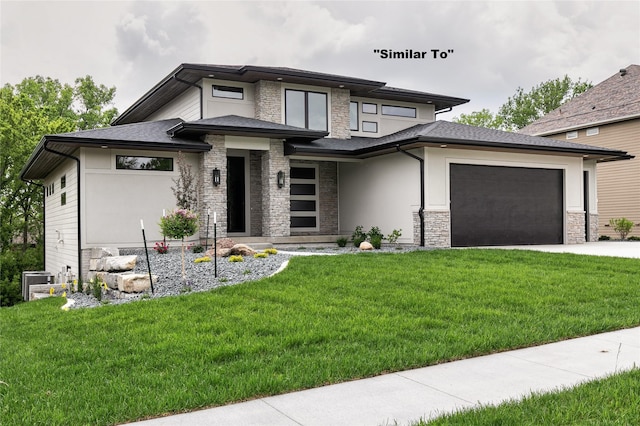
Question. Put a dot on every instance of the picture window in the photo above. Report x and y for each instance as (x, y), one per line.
(399, 111)
(228, 92)
(129, 162)
(369, 108)
(306, 109)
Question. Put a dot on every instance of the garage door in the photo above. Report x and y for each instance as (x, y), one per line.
(493, 206)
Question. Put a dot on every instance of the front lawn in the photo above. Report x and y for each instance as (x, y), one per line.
(323, 320)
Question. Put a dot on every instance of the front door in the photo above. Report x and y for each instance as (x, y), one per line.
(236, 217)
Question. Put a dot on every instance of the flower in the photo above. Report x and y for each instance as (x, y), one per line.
(63, 285)
(64, 294)
(51, 291)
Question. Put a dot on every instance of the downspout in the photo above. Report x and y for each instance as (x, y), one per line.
(175, 77)
(77, 160)
(421, 210)
(44, 221)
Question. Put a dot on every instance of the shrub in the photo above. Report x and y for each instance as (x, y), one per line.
(604, 238)
(161, 247)
(376, 241)
(358, 236)
(374, 232)
(394, 235)
(342, 242)
(179, 224)
(271, 251)
(203, 259)
(633, 238)
(622, 226)
(262, 255)
(197, 249)
(236, 258)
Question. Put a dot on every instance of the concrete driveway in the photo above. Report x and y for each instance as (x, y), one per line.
(599, 248)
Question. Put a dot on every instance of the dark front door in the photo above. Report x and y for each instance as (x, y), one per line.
(493, 206)
(235, 195)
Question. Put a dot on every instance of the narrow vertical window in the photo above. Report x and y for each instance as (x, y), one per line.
(63, 199)
(353, 116)
(63, 181)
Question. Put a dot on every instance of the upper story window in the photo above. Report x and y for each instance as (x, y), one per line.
(592, 131)
(353, 116)
(129, 162)
(63, 181)
(369, 108)
(228, 92)
(306, 109)
(572, 135)
(398, 111)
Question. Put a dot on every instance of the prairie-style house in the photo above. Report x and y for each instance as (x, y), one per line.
(288, 155)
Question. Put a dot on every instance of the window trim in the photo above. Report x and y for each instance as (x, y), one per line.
(357, 123)
(220, 89)
(415, 111)
(369, 122)
(144, 170)
(593, 131)
(306, 107)
(315, 197)
(572, 135)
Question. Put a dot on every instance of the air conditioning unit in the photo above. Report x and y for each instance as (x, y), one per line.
(30, 278)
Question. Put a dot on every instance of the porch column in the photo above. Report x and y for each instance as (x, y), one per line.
(214, 197)
(276, 216)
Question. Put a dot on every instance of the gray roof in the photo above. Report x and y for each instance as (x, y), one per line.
(616, 98)
(186, 75)
(440, 133)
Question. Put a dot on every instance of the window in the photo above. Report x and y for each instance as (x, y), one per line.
(353, 116)
(63, 181)
(572, 135)
(306, 109)
(128, 162)
(593, 131)
(369, 108)
(228, 92)
(398, 111)
(63, 199)
(370, 126)
(304, 198)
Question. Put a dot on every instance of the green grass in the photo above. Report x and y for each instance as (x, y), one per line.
(323, 320)
(611, 401)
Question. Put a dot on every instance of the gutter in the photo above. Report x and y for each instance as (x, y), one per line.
(442, 111)
(421, 210)
(175, 77)
(77, 160)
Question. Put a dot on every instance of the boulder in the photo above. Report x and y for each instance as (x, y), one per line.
(365, 245)
(223, 246)
(134, 283)
(240, 250)
(119, 263)
(100, 252)
(225, 243)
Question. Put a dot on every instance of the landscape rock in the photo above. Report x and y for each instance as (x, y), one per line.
(134, 283)
(100, 252)
(223, 246)
(365, 245)
(119, 263)
(240, 250)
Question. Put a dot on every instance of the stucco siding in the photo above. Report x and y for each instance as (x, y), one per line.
(618, 191)
(219, 106)
(114, 201)
(381, 191)
(61, 231)
(185, 106)
(388, 124)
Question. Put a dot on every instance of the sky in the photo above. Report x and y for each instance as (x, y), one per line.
(484, 50)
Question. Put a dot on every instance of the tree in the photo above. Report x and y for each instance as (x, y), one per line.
(32, 108)
(523, 108)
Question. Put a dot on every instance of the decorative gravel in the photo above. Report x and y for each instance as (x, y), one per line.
(200, 276)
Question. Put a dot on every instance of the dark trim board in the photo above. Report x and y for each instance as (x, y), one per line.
(497, 206)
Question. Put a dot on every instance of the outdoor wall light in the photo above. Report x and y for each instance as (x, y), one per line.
(280, 179)
(216, 177)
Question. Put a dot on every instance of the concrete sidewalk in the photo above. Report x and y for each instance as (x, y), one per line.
(629, 249)
(427, 392)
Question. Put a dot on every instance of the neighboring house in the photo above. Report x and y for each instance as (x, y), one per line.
(288, 155)
(606, 115)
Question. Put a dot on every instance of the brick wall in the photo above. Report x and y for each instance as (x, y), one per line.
(575, 228)
(340, 119)
(268, 101)
(275, 201)
(437, 229)
(214, 197)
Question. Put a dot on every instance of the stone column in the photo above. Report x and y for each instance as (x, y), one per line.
(575, 228)
(593, 227)
(339, 111)
(437, 229)
(268, 101)
(214, 197)
(276, 216)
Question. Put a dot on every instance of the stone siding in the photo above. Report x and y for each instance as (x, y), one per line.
(214, 197)
(340, 117)
(268, 101)
(275, 201)
(416, 228)
(575, 228)
(255, 196)
(593, 227)
(437, 229)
